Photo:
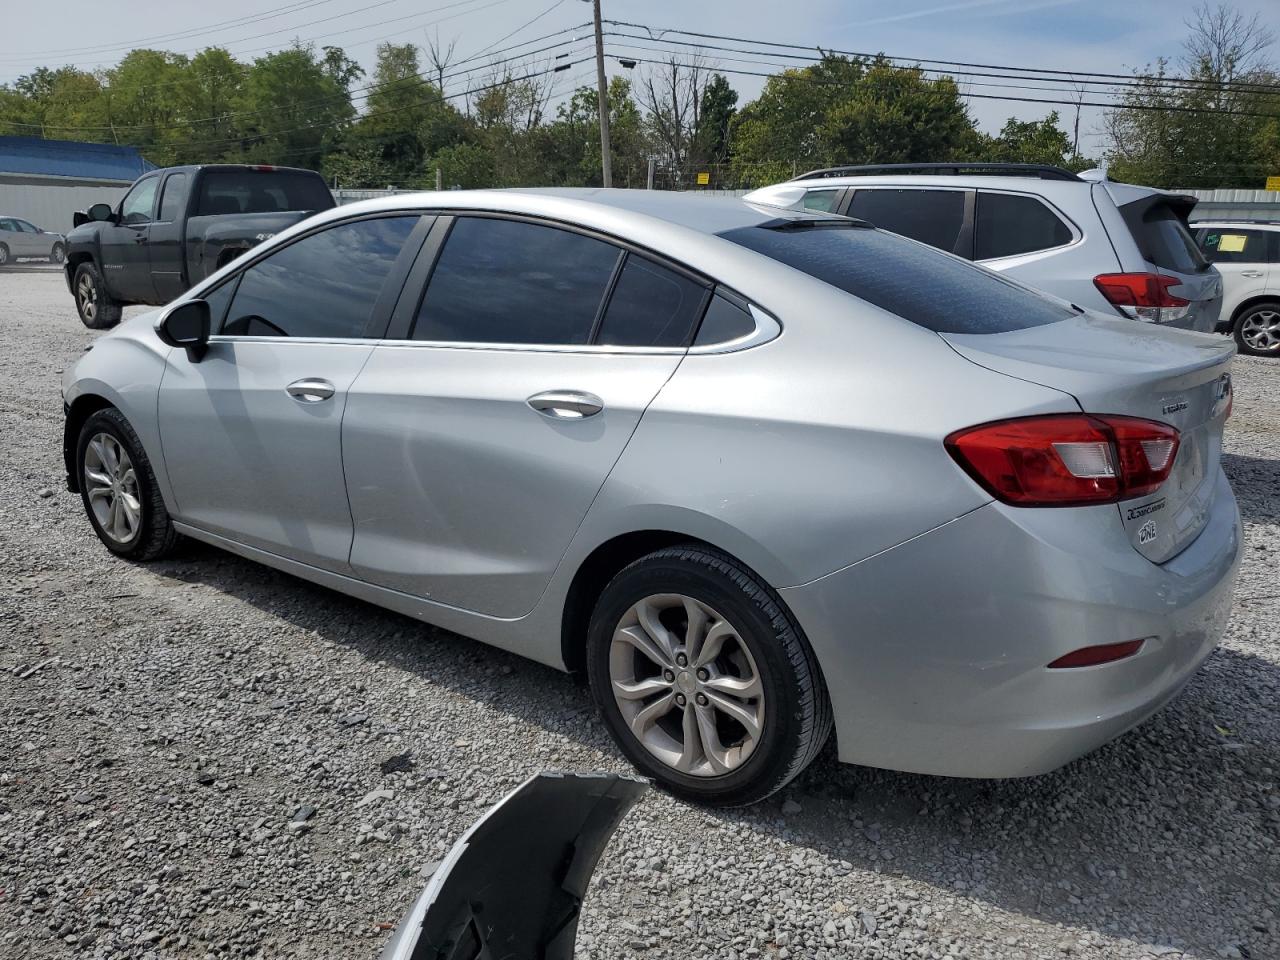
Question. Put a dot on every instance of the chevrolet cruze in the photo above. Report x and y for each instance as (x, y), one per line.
(763, 475)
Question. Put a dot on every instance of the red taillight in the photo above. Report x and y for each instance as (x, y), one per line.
(1065, 460)
(1102, 653)
(1143, 295)
(263, 167)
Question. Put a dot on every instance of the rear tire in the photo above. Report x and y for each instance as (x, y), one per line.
(725, 713)
(97, 309)
(119, 490)
(1257, 330)
(58, 253)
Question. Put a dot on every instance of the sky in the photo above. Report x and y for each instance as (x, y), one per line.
(1091, 35)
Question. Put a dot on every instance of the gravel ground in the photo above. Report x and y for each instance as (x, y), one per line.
(161, 727)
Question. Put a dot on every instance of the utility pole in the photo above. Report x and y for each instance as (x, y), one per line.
(602, 95)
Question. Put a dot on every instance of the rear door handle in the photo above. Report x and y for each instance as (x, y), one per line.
(310, 390)
(566, 404)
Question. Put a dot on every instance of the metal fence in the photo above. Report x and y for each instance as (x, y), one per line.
(1236, 204)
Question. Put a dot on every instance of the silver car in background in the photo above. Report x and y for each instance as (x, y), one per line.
(759, 473)
(1118, 248)
(21, 238)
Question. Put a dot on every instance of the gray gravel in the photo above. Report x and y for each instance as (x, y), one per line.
(204, 758)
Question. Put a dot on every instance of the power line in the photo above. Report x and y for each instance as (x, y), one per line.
(919, 60)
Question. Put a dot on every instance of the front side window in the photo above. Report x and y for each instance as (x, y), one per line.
(1007, 225)
(934, 217)
(651, 306)
(174, 200)
(509, 281)
(140, 201)
(324, 285)
(1233, 245)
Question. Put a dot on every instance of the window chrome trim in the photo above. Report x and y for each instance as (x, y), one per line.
(767, 328)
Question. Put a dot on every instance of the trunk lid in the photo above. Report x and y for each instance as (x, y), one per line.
(1118, 367)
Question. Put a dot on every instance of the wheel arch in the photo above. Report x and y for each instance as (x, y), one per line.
(1248, 304)
(79, 410)
(605, 561)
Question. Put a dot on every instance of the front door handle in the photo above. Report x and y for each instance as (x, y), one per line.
(310, 390)
(566, 404)
(1251, 274)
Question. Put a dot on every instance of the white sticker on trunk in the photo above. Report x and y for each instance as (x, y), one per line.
(1147, 532)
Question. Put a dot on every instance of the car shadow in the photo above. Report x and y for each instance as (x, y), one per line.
(1088, 847)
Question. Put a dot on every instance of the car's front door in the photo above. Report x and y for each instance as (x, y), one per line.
(1243, 256)
(250, 433)
(479, 433)
(126, 265)
(34, 243)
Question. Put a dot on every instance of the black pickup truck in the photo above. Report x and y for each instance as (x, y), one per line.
(175, 227)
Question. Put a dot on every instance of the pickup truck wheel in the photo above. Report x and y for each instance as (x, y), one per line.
(98, 311)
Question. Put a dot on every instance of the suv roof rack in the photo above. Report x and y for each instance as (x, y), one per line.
(1039, 171)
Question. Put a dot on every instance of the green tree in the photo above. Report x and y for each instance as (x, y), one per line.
(1031, 141)
(1221, 131)
(715, 120)
(570, 146)
(293, 110)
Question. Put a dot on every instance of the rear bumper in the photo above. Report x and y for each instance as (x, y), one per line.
(935, 651)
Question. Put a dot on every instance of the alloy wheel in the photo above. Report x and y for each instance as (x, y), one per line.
(4, 255)
(111, 487)
(686, 685)
(1261, 330)
(87, 297)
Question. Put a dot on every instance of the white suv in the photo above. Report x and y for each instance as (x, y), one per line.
(1107, 246)
(1247, 254)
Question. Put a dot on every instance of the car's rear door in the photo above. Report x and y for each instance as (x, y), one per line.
(251, 434)
(1244, 257)
(165, 239)
(939, 216)
(478, 434)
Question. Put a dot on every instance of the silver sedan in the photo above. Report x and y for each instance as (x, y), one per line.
(760, 474)
(21, 238)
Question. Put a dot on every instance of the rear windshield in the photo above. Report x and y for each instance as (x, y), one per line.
(914, 281)
(1163, 236)
(261, 191)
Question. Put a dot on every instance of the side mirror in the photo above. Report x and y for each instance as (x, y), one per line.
(187, 326)
(101, 212)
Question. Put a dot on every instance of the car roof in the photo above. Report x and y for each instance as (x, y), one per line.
(705, 214)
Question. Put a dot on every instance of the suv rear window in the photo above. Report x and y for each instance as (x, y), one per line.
(261, 191)
(1163, 236)
(1008, 224)
(934, 217)
(928, 288)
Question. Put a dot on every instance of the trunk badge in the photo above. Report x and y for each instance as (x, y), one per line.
(1174, 406)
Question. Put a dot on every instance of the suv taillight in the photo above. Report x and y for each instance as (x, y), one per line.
(1143, 296)
(1066, 460)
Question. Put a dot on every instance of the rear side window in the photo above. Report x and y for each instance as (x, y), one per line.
(930, 216)
(508, 281)
(174, 200)
(651, 306)
(1162, 236)
(928, 288)
(1233, 245)
(724, 320)
(324, 285)
(1008, 224)
(260, 191)
(823, 201)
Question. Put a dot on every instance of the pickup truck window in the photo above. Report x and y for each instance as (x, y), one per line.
(140, 201)
(260, 191)
(174, 200)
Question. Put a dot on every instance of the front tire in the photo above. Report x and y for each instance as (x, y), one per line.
(1257, 330)
(97, 309)
(703, 679)
(119, 491)
(4, 255)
